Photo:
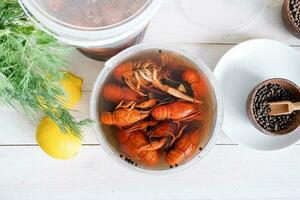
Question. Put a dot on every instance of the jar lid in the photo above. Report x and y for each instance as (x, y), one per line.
(90, 13)
(222, 15)
(90, 22)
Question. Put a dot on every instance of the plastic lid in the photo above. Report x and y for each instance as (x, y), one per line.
(91, 13)
(91, 23)
(222, 15)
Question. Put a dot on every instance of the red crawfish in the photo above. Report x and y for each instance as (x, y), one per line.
(128, 114)
(178, 111)
(197, 83)
(123, 117)
(184, 148)
(143, 75)
(116, 94)
(164, 134)
(131, 143)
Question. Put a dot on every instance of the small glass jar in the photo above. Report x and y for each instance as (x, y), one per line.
(98, 28)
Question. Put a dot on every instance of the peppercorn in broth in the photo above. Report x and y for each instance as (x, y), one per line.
(157, 111)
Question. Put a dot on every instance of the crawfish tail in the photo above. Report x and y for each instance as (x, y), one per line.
(107, 118)
(174, 156)
(197, 83)
(161, 112)
(121, 69)
(149, 158)
(190, 76)
(116, 94)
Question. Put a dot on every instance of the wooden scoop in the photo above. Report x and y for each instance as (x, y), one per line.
(283, 107)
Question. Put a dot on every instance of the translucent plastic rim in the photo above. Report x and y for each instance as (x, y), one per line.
(111, 64)
(92, 38)
(40, 10)
(229, 29)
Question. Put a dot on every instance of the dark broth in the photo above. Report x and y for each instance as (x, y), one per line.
(209, 102)
(91, 13)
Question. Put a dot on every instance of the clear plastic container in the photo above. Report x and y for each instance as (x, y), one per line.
(99, 28)
(129, 53)
(222, 15)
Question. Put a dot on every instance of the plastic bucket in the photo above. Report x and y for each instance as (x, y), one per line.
(100, 41)
(125, 55)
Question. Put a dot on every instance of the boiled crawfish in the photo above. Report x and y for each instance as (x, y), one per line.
(147, 104)
(167, 132)
(131, 143)
(142, 126)
(196, 82)
(116, 94)
(163, 131)
(184, 147)
(178, 111)
(162, 135)
(138, 75)
(127, 114)
(128, 72)
(167, 59)
(123, 115)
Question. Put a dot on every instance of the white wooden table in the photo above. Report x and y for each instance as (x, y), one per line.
(228, 172)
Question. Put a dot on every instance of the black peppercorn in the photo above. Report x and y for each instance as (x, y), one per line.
(295, 12)
(272, 93)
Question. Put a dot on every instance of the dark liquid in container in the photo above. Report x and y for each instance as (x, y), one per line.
(104, 54)
(95, 14)
(209, 101)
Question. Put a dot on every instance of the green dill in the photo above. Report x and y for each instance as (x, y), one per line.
(31, 67)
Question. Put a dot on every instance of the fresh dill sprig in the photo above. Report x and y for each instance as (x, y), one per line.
(31, 64)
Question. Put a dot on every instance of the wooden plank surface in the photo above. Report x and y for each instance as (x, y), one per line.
(228, 172)
(171, 25)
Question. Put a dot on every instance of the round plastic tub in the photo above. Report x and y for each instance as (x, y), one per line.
(99, 28)
(222, 15)
(125, 55)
